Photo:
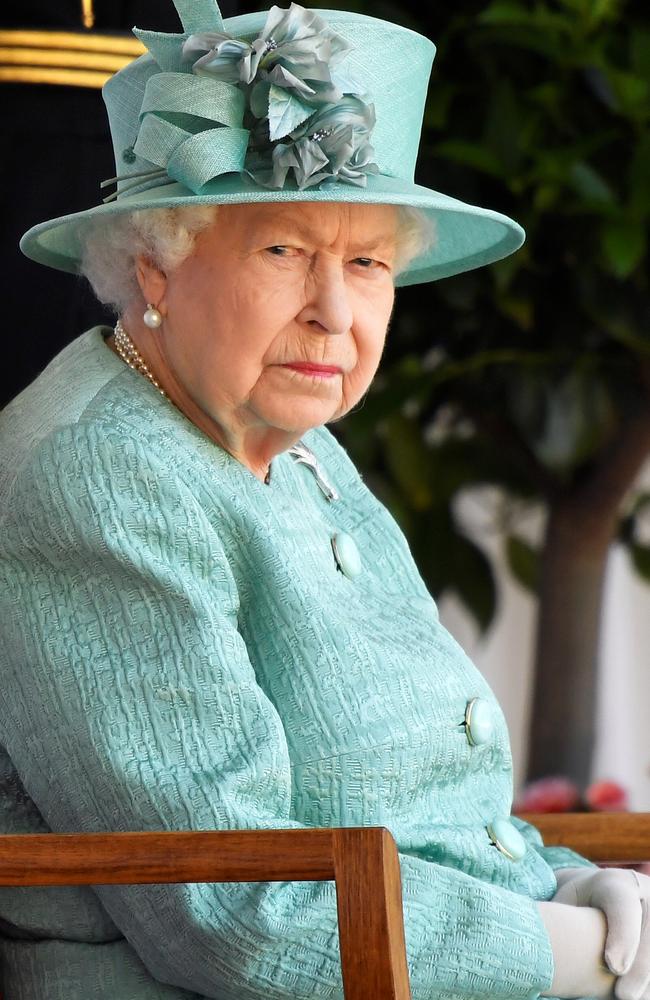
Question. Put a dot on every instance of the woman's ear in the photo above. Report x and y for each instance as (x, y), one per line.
(152, 282)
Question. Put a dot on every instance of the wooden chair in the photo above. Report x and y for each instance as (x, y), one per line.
(363, 862)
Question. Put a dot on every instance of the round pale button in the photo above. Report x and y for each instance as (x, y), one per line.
(479, 722)
(346, 554)
(507, 839)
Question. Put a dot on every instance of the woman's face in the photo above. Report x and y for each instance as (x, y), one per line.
(268, 291)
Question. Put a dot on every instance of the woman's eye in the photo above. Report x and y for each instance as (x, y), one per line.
(367, 263)
(280, 251)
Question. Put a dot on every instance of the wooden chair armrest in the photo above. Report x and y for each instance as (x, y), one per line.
(612, 838)
(363, 862)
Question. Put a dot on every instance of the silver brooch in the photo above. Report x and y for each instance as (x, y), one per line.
(301, 453)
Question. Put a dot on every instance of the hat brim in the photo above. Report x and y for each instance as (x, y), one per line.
(466, 236)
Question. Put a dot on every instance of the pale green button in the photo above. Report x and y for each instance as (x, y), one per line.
(479, 722)
(507, 839)
(346, 554)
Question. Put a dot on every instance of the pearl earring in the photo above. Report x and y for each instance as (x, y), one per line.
(152, 317)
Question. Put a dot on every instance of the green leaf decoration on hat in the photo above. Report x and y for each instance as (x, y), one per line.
(285, 112)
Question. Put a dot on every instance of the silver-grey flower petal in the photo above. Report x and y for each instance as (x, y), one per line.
(308, 161)
(349, 110)
(224, 61)
(251, 61)
(356, 169)
(297, 25)
(281, 77)
(198, 44)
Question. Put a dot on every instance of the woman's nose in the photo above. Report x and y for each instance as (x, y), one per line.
(328, 305)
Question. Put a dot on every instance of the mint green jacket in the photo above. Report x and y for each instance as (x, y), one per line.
(179, 650)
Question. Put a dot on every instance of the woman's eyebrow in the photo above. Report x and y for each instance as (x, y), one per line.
(280, 228)
(281, 224)
(384, 240)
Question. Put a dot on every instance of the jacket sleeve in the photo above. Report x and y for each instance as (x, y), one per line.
(129, 703)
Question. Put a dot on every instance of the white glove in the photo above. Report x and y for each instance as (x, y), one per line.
(577, 937)
(624, 897)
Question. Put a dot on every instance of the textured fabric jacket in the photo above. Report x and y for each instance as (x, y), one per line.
(179, 650)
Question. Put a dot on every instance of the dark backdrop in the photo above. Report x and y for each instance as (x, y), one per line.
(55, 151)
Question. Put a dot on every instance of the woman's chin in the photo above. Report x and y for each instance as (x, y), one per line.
(295, 403)
(297, 415)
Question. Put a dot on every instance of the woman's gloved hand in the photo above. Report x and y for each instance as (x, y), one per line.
(577, 938)
(624, 897)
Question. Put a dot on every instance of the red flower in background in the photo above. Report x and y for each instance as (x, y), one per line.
(559, 794)
(549, 795)
(606, 796)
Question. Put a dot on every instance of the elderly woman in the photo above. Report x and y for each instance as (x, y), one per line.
(208, 621)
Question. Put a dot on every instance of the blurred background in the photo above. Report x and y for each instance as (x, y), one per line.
(509, 427)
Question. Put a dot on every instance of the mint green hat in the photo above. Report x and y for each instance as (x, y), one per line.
(282, 105)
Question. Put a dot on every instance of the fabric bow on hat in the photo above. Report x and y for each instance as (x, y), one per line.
(274, 108)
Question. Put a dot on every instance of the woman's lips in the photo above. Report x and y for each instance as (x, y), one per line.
(307, 368)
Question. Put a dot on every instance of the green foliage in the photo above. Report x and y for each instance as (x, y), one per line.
(523, 562)
(523, 374)
(624, 245)
(629, 531)
(641, 560)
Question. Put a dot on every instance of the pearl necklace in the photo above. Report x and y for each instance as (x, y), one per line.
(132, 357)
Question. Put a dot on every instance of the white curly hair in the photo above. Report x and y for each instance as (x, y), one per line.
(166, 236)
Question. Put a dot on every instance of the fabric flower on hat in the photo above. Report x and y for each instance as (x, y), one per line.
(294, 53)
(305, 118)
(332, 145)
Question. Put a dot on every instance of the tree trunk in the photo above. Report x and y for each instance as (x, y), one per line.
(568, 629)
(582, 524)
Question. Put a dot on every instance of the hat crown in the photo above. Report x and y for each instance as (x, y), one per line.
(388, 63)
